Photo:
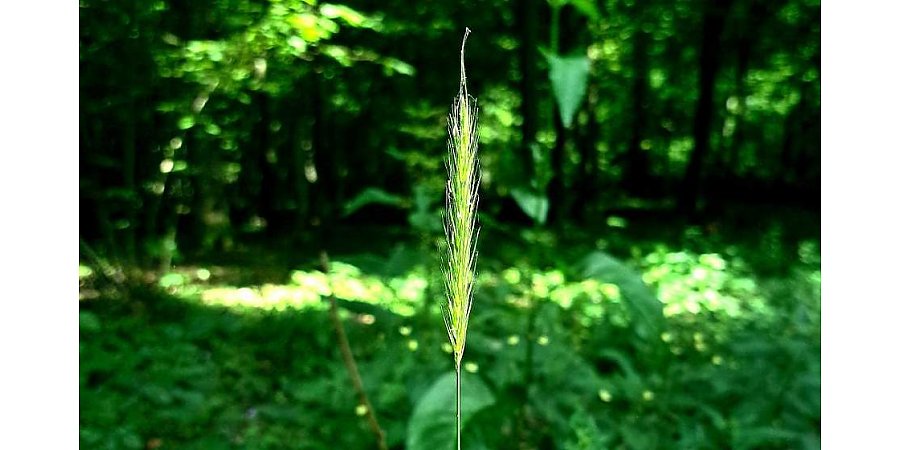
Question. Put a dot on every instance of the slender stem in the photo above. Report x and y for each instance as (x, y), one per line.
(458, 406)
(350, 363)
(554, 29)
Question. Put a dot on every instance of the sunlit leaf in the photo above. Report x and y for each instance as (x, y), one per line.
(339, 53)
(172, 279)
(185, 122)
(568, 77)
(399, 66)
(84, 271)
(298, 44)
(313, 28)
(616, 222)
(349, 15)
(534, 205)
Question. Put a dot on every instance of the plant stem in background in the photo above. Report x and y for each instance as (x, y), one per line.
(459, 222)
(350, 362)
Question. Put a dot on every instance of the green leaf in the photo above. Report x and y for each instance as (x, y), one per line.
(423, 217)
(568, 76)
(371, 196)
(433, 422)
(533, 204)
(353, 17)
(556, 4)
(395, 65)
(586, 7)
(764, 436)
(637, 437)
(297, 44)
(185, 122)
(339, 53)
(88, 322)
(84, 271)
(585, 434)
(172, 280)
(645, 308)
(312, 28)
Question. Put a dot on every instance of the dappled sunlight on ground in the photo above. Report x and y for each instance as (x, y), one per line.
(305, 290)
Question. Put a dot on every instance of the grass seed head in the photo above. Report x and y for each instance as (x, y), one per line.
(460, 211)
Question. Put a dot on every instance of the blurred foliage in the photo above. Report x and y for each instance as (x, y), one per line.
(223, 144)
(564, 352)
(203, 126)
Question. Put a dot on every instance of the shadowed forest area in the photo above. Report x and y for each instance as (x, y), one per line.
(261, 178)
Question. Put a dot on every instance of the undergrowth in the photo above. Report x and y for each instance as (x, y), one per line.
(698, 342)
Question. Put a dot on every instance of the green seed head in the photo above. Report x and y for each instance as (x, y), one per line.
(460, 211)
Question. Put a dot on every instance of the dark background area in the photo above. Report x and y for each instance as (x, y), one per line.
(650, 197)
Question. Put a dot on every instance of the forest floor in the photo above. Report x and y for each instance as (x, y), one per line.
(568, 348)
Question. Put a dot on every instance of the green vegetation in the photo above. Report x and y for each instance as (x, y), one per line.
(648, 261)
(558, 354)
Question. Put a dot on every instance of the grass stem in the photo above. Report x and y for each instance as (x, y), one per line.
(458, 407)
(350, 362)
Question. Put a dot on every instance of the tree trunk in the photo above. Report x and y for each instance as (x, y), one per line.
(561, 42)
(637, 162)
(323, 180)
(556, 190)
(129, 169)
(713, 21)
(527, 15)
(586, 176)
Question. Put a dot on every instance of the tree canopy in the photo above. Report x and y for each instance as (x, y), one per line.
(203, 123)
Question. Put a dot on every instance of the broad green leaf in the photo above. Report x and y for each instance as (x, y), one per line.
(371, 196)
(645, 308)
(533, 204)
(433, 422)
(568, 76)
